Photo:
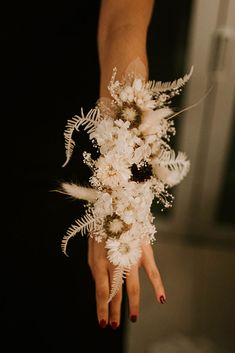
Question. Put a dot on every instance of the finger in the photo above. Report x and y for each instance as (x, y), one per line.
(91, 255)
(115, 307)
(99, 268)
(153, 273)
(133, 293)
(102, 294)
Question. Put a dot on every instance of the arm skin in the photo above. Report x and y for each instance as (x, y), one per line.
(122, 34)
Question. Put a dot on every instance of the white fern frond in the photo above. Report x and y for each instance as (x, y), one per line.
(170, 159)
(159, 86)
(83, 225)
(89, 121)
(120, 273)
(169, 168)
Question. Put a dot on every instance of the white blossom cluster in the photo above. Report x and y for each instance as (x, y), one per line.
(135, 165)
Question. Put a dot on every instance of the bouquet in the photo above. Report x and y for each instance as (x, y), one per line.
(135, 165)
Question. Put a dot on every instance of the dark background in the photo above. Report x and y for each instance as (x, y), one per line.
(49, 70)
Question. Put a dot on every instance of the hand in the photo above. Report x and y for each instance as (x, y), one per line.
(102, 271)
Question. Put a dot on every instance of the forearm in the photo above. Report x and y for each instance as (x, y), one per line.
(122, 37)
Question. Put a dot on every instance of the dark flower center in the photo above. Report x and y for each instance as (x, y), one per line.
(141, 173)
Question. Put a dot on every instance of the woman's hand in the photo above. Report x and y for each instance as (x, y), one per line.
(122, 36)
(102, 271)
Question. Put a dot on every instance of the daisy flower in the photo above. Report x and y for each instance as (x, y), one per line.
(125, 251)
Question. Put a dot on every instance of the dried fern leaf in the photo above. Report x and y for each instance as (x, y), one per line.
(171, 169)
(89, 121)
(170, 160)
(83, 225)
(120, 273)
(159, 86)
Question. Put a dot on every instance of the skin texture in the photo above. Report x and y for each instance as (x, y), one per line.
(122, 34)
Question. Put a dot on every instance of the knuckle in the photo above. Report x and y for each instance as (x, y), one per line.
(134, 291)
(101, 292)
(154, 275)
(117, 298)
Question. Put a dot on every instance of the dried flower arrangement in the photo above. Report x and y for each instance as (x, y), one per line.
(136, 164)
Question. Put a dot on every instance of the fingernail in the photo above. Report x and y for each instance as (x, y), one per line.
(133, 318)
(162, 299)
(114, 325)
(102, 323)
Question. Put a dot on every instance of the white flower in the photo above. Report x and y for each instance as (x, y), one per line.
(112, 171)
(144, 230)
(124, 143)
(137, 85)
(129, 113)
(104, 132)
(127, 94)
(139, 94)
(103, 205)
(125, 251)
(141, 153)
(115, 226)
(122, 124)
(107, 147)
(133, 202)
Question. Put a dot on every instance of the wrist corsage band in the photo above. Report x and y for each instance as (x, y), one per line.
(135, 164)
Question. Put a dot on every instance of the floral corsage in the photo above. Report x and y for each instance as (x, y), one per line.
(135, 165)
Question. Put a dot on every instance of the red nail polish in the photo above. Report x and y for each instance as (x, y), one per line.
(162, 299)
(133, 318)
(102, 323)
(114, 325)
